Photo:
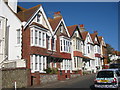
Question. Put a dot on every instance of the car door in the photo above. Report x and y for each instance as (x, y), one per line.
(118, 76)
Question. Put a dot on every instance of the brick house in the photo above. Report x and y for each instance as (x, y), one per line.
(61, 46)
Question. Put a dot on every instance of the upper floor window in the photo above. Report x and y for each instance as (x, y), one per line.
(43, 39)
(78, 45)
(38, 38)
(31, 36)
(61, 29)
(53, 44)
(88, 49)
(38, 17)
(61, 45)
(65, 45)
(49, 43)
(0, 24)
(18, 36)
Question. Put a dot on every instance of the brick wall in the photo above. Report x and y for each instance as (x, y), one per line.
(20, 75)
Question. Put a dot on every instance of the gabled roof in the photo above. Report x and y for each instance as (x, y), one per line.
(19, 8)
(84, 34)
(116, 53)
(93, 35)
(71, 29)
(26, 14)
(37, 24)
(54, 22)
(100, 38)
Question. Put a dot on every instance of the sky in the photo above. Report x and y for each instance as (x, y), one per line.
(96, 16)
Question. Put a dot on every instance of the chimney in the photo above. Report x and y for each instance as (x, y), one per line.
(81, 27)
(96, 32)
(57, 14)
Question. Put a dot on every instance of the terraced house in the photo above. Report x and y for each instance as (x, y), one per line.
(98, 62)
(42, 44)
(61, 45)
(77, 50)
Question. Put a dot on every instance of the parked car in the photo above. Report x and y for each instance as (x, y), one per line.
(107, 78)
(114, 65)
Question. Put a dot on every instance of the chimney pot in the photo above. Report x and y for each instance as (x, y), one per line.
(82, 25)
(57, 14)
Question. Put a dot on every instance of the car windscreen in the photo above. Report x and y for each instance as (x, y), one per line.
(114, 66)
(105, 74)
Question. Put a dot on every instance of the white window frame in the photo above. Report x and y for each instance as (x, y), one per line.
(65, 45)
(38, 18)
(0, 24)
(41, 63)
(39, 38)
(36, 38)
(31, 35)
(61, 29)
(49, 43)
(18, 36)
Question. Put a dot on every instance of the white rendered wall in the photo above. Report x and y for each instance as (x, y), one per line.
(14, 50)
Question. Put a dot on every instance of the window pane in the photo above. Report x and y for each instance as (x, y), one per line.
(31, 36)
(43, 63)
(39, 38)
(0, 24)
(36, 62)
(40, 63)
(36, 37)
(43, 39)
(18, 36)
(31, 62)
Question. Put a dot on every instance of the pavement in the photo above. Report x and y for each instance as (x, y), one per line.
(64, 83)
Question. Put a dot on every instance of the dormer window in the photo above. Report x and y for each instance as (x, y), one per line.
(38, 17)
(61, 29)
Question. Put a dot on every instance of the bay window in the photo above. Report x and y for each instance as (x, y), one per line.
(38, 38)
(38, 63)
(65, 45)
(49, 43)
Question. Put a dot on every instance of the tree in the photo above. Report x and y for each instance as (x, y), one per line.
(109, 48)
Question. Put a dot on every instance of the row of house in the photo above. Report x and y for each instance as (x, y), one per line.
(114, 57)
(28, 38)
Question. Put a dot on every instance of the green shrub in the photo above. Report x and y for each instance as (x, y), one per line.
(51, 70)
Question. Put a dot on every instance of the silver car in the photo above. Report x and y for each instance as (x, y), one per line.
(107, 78)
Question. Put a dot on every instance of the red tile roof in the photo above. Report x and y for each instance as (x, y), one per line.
(54, 22)
(116, 53)
(26, 14)
(40, 25)
(100, 38)
(93, 35)
(71, 29)
(84, 34)
(19, 8)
